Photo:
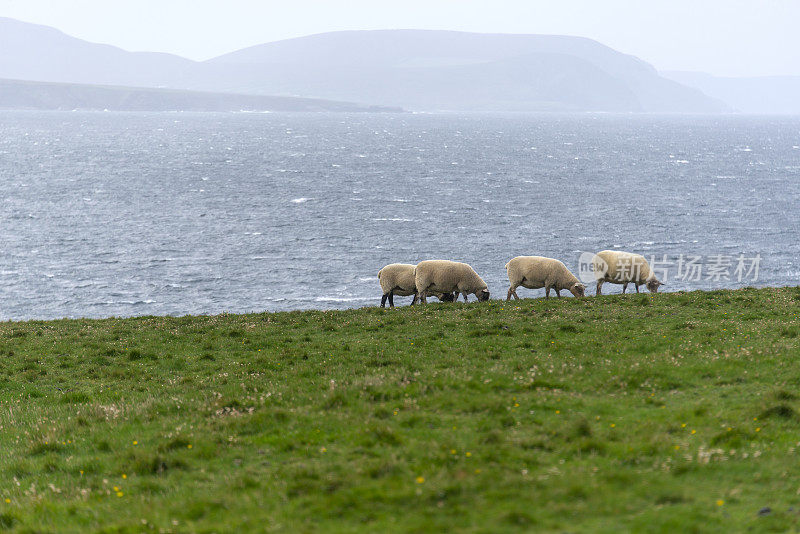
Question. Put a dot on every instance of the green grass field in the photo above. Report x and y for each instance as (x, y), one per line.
(647, 413)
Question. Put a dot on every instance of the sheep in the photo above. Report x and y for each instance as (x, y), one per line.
(398, 279)
(449, 276)
(535, 272)
(624, 268)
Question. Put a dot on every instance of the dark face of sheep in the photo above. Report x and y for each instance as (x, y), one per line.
(447, 297)
(653, 285)
(483, 295)
(578, 290)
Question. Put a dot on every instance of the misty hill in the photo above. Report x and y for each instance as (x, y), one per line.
(423, 69)
(767, 94)
(16, 94)
(40, 53)
(414, 69)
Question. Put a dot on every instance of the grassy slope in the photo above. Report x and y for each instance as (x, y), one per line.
(660, 412)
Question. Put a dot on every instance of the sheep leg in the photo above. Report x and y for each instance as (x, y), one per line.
(515, 295)
(391, 299)
(414, 300)
(599, 286)
(624, 287)
(547, 292)
(637, 288)
(558, 294)
(510, 292)
(465, 297)
(422, 297)
(455, 296)
(383, 300)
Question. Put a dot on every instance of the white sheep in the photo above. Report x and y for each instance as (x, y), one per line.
(449, 276)
(398, 279)
(535, 272)
(623, 268)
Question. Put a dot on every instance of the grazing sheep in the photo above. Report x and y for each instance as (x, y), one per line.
(624, 268)
(449, 276)
(535, 272)
(398, 279)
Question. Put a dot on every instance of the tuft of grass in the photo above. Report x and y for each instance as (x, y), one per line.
(7, 520)
(780, 411)
(76, 397)
(145, 463)
(44, 447)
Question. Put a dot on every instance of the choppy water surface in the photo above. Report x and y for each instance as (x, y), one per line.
(129, 214)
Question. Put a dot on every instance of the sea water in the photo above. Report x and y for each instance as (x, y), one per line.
(121, 214)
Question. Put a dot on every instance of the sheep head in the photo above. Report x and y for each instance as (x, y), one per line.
(447, 297)
(653, 285)
(482, 294)
(578, 289)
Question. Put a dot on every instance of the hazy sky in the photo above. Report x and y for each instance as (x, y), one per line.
(723, 37)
